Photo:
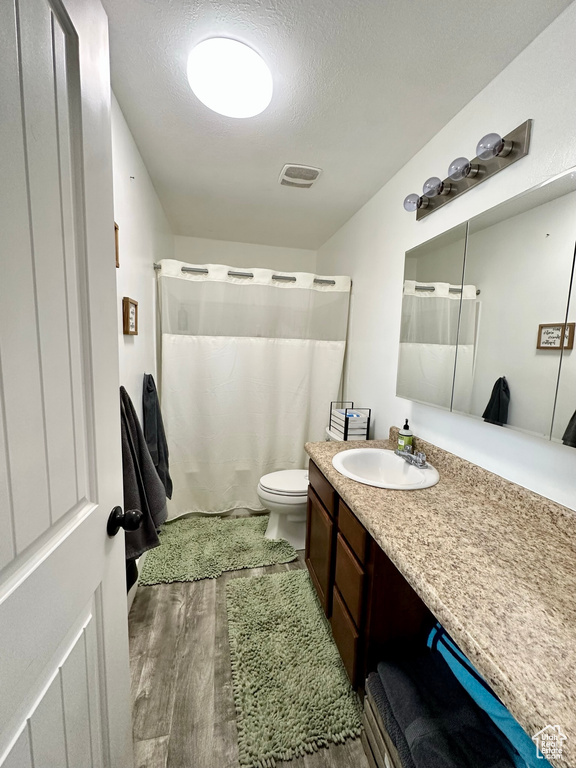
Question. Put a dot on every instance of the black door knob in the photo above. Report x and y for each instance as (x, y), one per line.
(129, 520)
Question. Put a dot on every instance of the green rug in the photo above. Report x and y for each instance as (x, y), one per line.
(194, 548)
(291, 691)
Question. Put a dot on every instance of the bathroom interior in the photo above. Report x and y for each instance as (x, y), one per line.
(346, 310)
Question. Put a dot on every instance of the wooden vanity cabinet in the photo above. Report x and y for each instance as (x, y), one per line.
(320, 532)
(368, 601)
(346, 636)
(319, 550)
(350, 579)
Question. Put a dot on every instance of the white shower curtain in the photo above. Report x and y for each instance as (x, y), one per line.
(433, 323)
(249, 367)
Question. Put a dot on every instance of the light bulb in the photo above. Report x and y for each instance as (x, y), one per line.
(412, 202)
(459, 168)
(435, 186)
(493, 145)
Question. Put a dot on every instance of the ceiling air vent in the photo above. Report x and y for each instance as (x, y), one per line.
(299, 176)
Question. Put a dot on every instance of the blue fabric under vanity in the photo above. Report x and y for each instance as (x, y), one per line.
(528, 757)
(432, 720)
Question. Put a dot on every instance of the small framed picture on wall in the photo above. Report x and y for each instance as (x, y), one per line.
(130, 316)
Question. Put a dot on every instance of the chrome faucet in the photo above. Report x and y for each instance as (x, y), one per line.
(417, 459)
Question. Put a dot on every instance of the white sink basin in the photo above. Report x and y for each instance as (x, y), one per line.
(383, 469)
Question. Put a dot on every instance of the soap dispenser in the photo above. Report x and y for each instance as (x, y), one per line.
(405, 438)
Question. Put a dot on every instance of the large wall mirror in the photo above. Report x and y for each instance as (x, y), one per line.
(487, 327)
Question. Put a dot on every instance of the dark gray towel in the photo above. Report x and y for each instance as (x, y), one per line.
(131, 573)
(376, 690)
(442, 725)
(569, 437)
(497, 409)
(154, 432)
(143, 488)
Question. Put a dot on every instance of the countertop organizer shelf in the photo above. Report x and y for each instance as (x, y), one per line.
(348, 423)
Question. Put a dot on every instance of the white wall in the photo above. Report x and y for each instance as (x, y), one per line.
(440, 261)
(199, 250)
(539, 84)
(522, 266)
(145, 237)
(566, 399)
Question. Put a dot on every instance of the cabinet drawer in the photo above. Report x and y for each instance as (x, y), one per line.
(345, 635)
(349, 579)
(319, 549)
(353, 531)
(325, 492)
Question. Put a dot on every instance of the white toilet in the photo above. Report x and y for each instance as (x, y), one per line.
(285, 494)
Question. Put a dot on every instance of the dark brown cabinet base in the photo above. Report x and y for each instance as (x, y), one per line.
(319, 549)
(368, 601)
(345, 635)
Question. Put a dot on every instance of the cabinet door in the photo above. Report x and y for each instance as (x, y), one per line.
(354, 532)
(324, 491)
(345, 636)
(349, 578)
(319, 549)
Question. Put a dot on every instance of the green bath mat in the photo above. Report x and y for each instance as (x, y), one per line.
(196, 548)
(291, 692)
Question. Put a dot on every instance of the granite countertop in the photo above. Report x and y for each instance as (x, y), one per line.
(496, 565)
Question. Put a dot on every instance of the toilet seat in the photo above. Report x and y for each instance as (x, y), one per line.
(287, 482)
(275, 497)
(289, 486)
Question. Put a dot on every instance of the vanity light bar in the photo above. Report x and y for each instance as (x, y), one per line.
(232, 273)
(494, 154)
(432, 288)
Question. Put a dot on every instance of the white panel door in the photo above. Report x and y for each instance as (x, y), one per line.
(64, 676)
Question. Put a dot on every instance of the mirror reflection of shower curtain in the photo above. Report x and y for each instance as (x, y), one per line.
(249, 367)
(428, 339)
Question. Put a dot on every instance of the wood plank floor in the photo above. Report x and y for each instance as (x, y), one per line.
(183, 708)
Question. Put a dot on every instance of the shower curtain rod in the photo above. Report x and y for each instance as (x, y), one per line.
(450, 290)
(232, 273)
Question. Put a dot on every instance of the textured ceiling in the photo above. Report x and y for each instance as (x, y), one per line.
(360, 86)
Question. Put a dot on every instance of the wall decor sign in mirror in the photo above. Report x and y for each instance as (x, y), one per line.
(474, 298)
(555, 336)
(494, 153)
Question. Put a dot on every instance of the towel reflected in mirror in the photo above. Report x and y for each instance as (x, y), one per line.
(496, 411)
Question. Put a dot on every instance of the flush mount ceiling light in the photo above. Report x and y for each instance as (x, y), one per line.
(229, 77)
(494, 153)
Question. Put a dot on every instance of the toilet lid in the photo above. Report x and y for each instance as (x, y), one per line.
(288, 482)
